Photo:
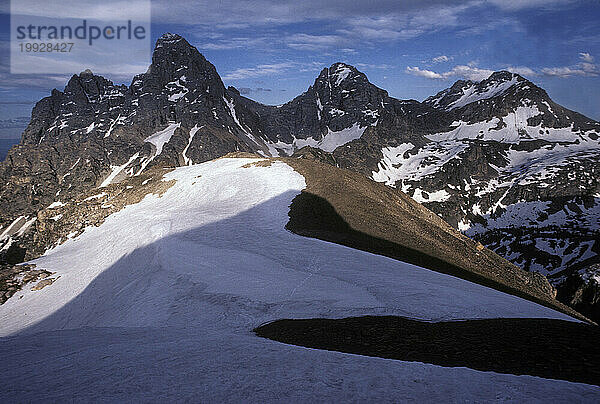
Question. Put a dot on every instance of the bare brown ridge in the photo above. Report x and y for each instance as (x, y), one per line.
(347, 208)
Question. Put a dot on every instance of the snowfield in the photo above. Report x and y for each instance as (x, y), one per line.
(329, 142)
(159, 303)
(162, 137)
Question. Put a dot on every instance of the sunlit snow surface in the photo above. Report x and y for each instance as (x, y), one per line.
(159, 302)
(470, 95)
(162, 137)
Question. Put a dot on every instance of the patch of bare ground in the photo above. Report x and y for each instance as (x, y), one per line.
(14, 277)
(260, 163)
(242, 155)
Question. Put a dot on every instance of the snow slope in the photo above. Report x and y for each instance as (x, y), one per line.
(329, 142)
(162, 137)
(470, 93)
(160, 300)
(398, 164)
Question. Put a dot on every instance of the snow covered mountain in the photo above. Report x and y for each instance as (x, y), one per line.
(514, 170)
(335, 110)
(497, 159)
(157, 302)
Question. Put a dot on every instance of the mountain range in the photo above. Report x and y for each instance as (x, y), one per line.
(497, 159)
(175, 240)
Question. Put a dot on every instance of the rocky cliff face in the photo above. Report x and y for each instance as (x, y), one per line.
(497, 159)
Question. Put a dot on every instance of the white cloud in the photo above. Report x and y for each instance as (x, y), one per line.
(584, 69)
(505, 24)
(368, 66)
(233, 43)
(373, 24)
(367, 25)
(39, 82)
(440, 59)
(424, 73)
(558, 71)
(346, 22)
(515, 5)
(118, 10)
(471, 72)
(314, 42)
(586, 57)
(522, 70)
(273, 69)
(405, 24)
(258, 71)
(310, 66)
(588, 67)
(270, 12)
(468, 72)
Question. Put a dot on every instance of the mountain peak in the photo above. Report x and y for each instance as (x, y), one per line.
(174, 46)
(174, 58)
(504, 75)
(173, 43)
(341, 76)
(87, 82)
(339, 72)
(169, 38)
(340, 66)
(464, 92)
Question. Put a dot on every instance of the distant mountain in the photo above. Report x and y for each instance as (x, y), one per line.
(513, 170)
(497, 159)
(10, 133)
(18, 122)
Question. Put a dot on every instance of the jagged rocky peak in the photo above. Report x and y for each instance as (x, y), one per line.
(340, 73)
(341, 77)
(169, 38)
(85, 98)
(465, 92)
(170, 43)
(503, 76)
(175, 60)
(342, 90)
(87, 87)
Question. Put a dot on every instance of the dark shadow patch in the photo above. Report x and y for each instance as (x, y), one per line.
(313, 216)
(14, 255)
(553, 349)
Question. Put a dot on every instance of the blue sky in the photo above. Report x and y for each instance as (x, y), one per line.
(273, 50)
